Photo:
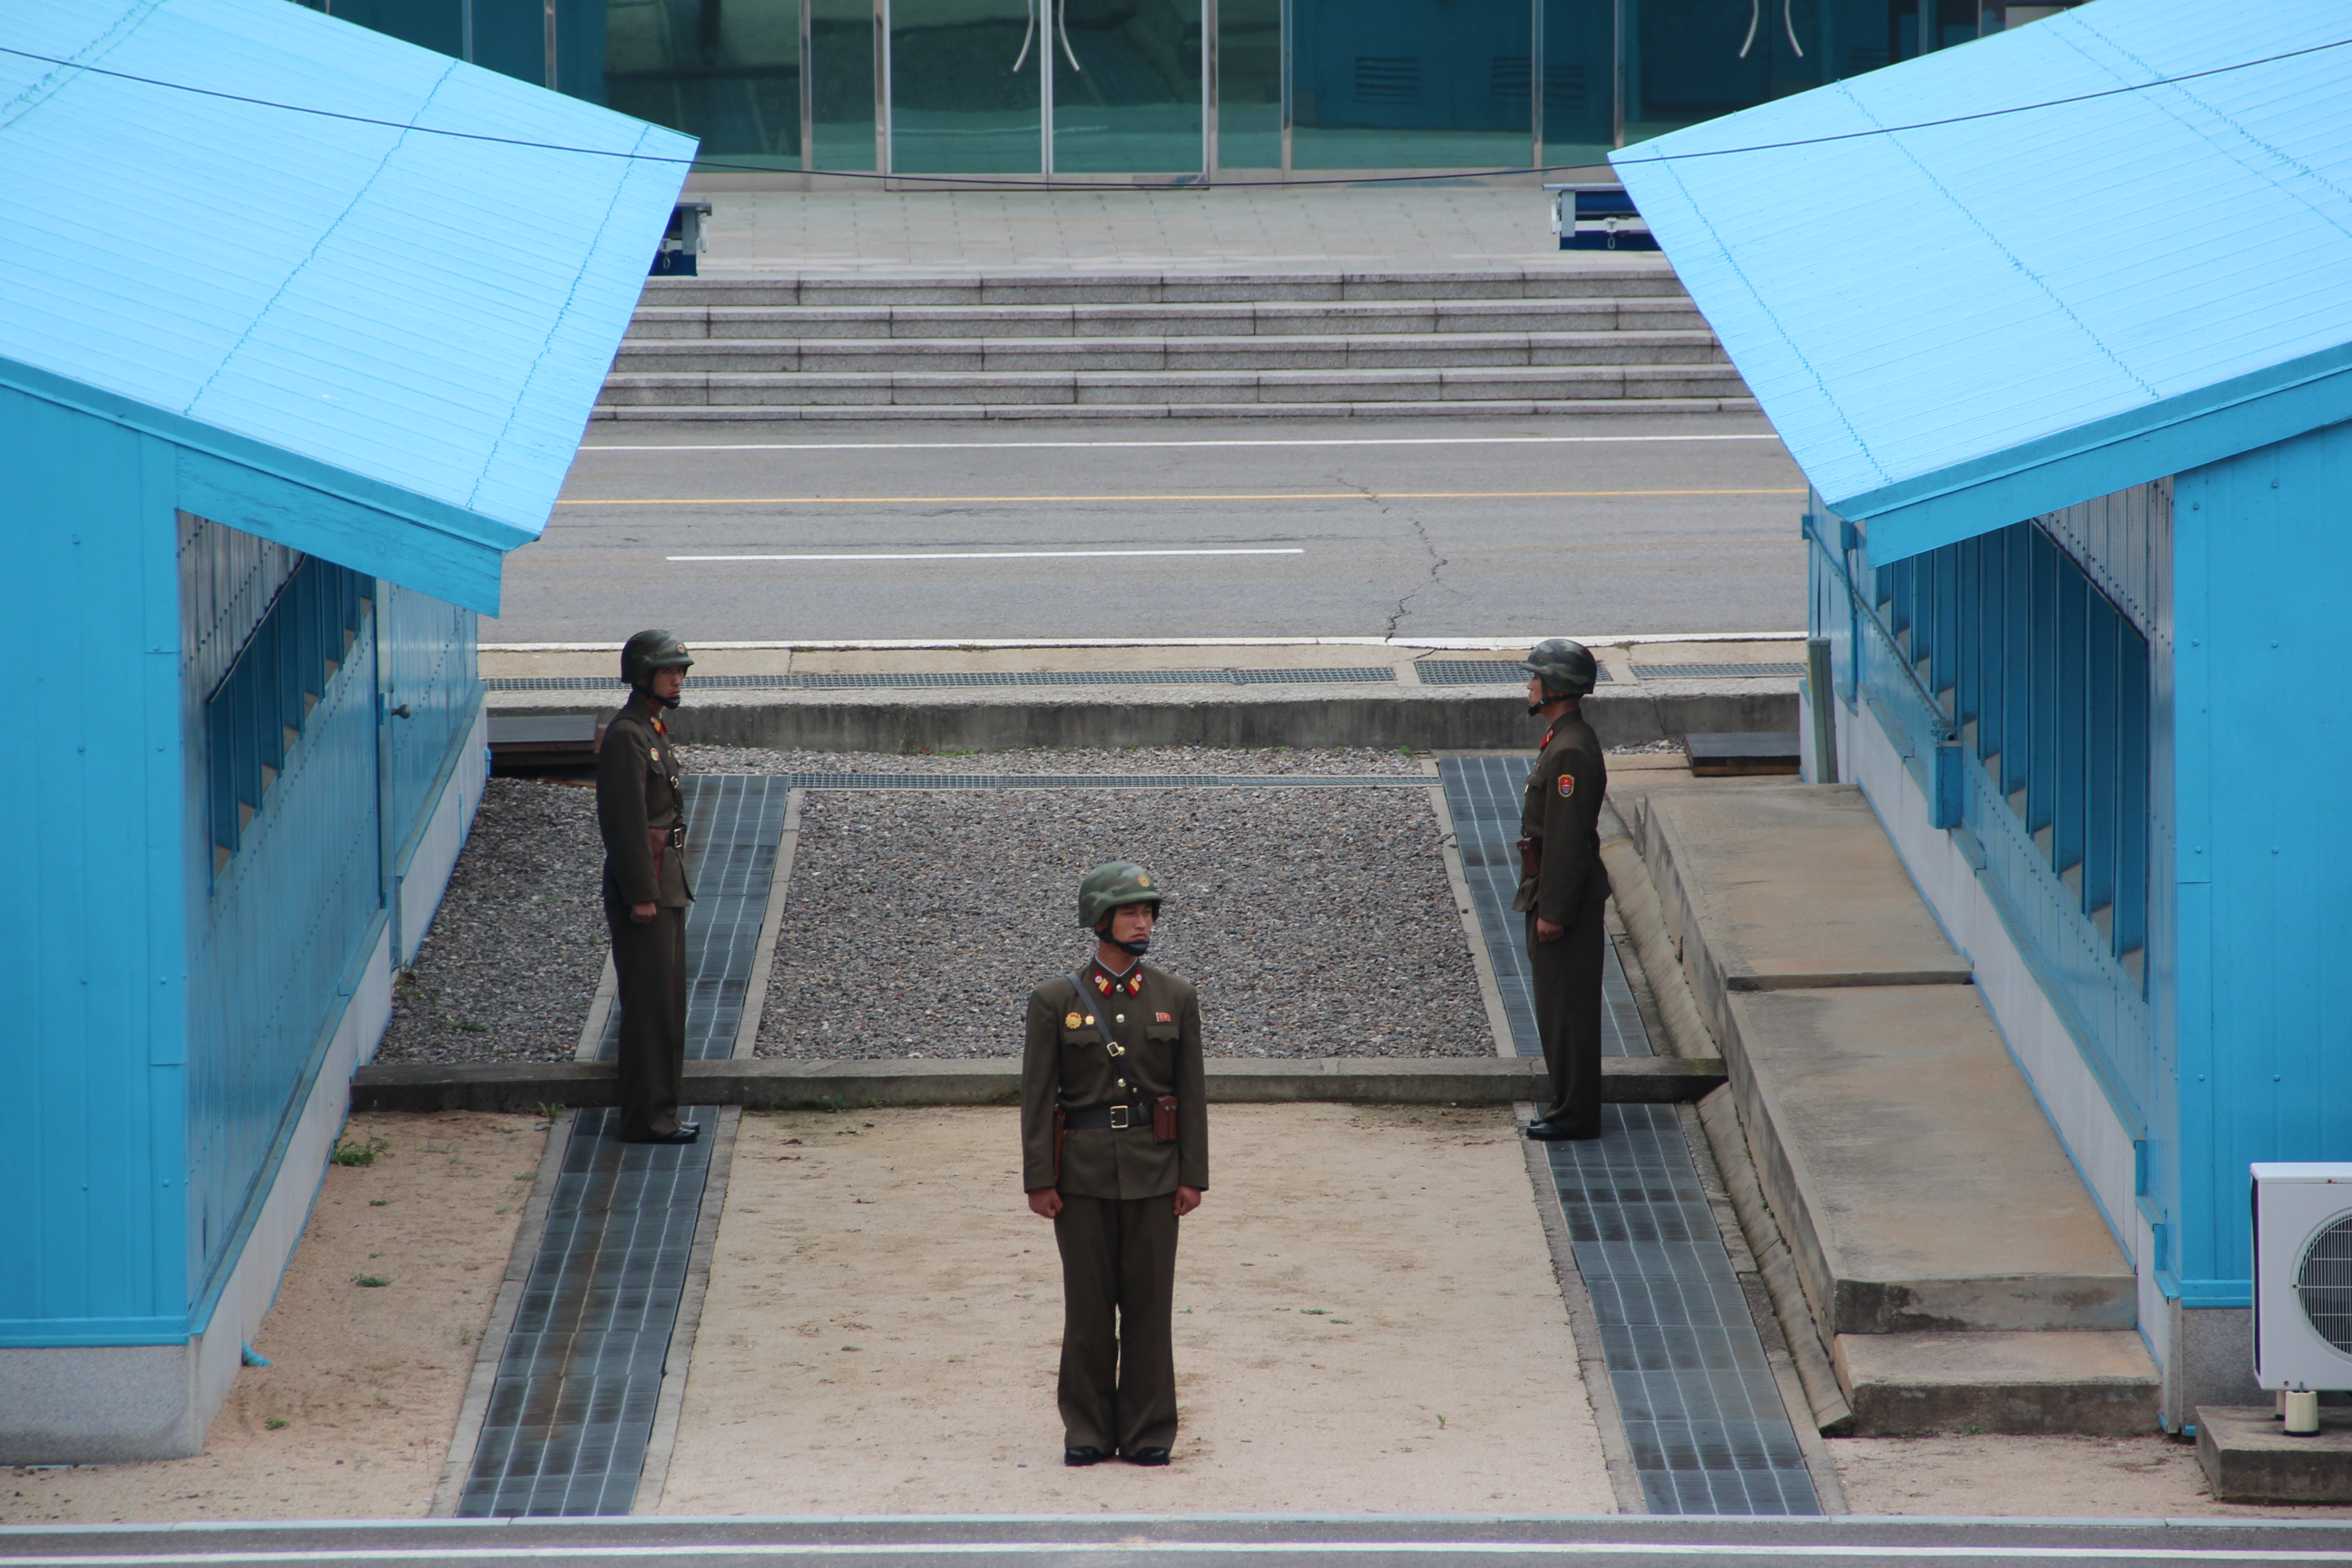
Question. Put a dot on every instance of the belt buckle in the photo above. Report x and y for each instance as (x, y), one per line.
(1119, 1116)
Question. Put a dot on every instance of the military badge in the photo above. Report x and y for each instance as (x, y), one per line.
(1163, 1018)
(1567, 784)
(1070, 1022)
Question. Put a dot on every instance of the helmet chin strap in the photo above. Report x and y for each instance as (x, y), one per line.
(650, 695)
(1132, 948)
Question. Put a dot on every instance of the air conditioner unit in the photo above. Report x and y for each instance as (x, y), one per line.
(2302, 1277)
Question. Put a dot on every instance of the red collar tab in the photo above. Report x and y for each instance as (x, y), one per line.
(1107, 983)
(1545, 742)
(662, 729)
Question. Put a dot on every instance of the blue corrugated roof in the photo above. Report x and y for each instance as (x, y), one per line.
(2036, 267)
(245, 217)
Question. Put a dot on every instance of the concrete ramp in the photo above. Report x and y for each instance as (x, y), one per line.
(1949, 1252)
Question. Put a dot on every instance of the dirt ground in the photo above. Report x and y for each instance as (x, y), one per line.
(354, 1417)
(1365, 1319)
(2130, 1477)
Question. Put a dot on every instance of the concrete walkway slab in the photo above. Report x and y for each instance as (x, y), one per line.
(1919, 1183)
(2103, 1383)
(1770, 889)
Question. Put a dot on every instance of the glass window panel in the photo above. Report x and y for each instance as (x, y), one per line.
(1688, 61)
(1131, 102)
(964, 86)
(1578, 46)
(728, 71)
(510, 36)
(841, 45)
(431, 24)
(1249, 84)
(1411, 84)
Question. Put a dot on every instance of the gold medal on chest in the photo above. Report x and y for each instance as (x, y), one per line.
(1071, 1022)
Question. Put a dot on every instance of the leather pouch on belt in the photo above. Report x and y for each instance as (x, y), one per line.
(1163, 1119)
(1530, 857)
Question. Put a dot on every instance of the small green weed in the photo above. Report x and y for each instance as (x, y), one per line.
(370, 1281)
(832, 1104)
(548, 1109)
(277, 1424)
(349, 1153)
(378, 1203)
(460, 1023)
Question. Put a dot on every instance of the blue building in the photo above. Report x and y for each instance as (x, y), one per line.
(299, 326)
(2077, 431)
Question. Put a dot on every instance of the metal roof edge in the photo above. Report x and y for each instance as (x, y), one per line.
(2189, 431)
(310, 473)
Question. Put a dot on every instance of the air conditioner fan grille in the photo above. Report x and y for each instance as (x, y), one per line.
(2324, 1284)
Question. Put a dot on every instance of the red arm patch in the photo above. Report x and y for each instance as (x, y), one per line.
(1567, 785)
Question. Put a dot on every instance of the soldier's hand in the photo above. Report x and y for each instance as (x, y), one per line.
(1548, 931)
(644, 913)
(1187, 1200)
(1047, 1201)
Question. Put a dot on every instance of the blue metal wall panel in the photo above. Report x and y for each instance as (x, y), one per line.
(287, 914)
(2264, 1041)
(427, 651)
(2007, 679)
(91, 941)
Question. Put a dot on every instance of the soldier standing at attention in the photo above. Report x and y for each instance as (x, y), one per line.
(1564, 887)
(1114, 1151)
(641, 808)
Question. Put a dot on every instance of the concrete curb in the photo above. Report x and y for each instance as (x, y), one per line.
(822, 1084)
(1436, 718)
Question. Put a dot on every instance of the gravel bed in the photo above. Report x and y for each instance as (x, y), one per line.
(1317, 922)
(1040, 760)
(511, 961)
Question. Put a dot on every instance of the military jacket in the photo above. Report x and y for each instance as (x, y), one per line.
(640, 787)
(1064, 1062)
(1562, 810)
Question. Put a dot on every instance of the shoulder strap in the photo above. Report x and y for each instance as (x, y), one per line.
(1102, 1025)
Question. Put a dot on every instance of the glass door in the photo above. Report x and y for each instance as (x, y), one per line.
(1046, 87)
(1127, 87)
(966, 87)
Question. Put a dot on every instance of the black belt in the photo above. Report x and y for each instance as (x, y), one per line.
(1119, 1116)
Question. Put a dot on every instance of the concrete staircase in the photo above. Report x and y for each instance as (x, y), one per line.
(1620, 338)
(1953, 1261)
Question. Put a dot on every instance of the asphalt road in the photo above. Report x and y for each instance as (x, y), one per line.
(1226, 1541)
(1168, 528)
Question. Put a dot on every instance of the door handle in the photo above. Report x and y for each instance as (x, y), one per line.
(1028, 35)
(1062, 17)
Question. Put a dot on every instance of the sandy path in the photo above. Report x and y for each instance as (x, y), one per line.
(366, 1382)
(1366, 1320)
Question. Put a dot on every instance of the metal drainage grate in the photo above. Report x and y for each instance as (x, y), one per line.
(1702, 1411)
(1479, 672)
(1352, 675)
(1714, 671)
(578, 1380)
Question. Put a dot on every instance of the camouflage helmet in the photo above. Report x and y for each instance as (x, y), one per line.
(649, 651)
(1567, 669)
(1110, 884)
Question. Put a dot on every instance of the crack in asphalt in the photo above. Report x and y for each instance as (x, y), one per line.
(1421, 530)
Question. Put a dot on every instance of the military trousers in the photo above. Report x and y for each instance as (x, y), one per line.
(649, 963)
(1118, 1389)
(1566, 978)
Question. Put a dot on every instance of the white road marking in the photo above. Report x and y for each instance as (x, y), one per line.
(1129, 1547)
(990, 555)
(1237, 441)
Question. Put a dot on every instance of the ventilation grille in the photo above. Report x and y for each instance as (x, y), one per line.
(1510, 76)
(2324, 1284)
(1388, 79)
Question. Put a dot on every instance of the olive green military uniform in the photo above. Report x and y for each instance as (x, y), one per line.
(1116, 1230)
(1561, 816)
(641, 807)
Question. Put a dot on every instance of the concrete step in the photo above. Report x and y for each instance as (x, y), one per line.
(1516, 408)
(1628, 279)
(1401, 384)
(1027, 355)
(2101, 1384)
(1919, 1186)
(1244, 318)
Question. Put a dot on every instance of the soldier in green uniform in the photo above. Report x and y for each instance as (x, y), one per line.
(1114, 1151)
(641, 809)
(1564, 887)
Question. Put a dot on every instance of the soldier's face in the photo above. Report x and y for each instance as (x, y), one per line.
(668, 682)
(1132, 922)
